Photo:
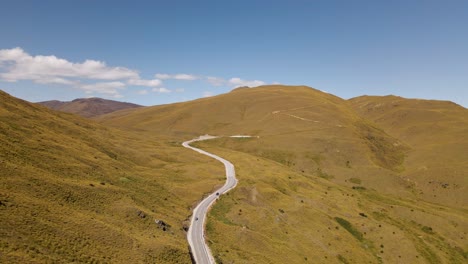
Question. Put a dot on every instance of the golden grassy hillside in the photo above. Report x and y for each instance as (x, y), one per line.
(327, 181)
(260, 111)
(436, 132)
(323, 183)
(277, 215)
(73, 191)
(308, 130)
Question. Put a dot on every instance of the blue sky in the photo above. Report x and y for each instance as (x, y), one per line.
(156, 52)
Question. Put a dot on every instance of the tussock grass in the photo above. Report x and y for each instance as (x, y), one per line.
(349, 227)
(436, 133)
(85, 185)
(74, 191)
(404, 153)
(265, 217)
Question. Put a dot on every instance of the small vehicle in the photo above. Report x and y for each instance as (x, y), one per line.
(196, 218)
(217, 193)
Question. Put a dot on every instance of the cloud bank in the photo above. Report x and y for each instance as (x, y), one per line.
(238, 82)
(91, 76)
(96, 77)
(214, 81)
(180, 76)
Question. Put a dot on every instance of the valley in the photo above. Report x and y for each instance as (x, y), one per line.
(322, 180)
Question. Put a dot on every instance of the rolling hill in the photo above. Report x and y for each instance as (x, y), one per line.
(436, 132)
(322, 164)
(73, 191)
(321, 134)
(88, 107)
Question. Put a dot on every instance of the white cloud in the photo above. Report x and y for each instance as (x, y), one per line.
(57, 80)
(187, 77)
(17, 65)
(148, 83)
(215, 81)
(238, 82)
(11, 54)
(162, 76)
(107, 88)
(142, 92)
(234, 82)
(92, 76)
(207, 94)
(161, 90)
(22, 66)
(180, 76)
(180, 90)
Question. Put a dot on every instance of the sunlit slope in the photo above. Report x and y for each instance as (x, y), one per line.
(277, 215)
(74, 191)
(321, 183)
(308, 130)
(437, 132)
(259, 111)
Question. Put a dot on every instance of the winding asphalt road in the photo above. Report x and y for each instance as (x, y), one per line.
(196, 233)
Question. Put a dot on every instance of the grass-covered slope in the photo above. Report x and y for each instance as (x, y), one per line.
(436, 131)
(323, 183)
(308, 130)
(73, 191)
(277, 215)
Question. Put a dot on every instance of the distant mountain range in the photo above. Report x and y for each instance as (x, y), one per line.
(88, 107)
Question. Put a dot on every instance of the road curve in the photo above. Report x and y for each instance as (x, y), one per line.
(196, 233)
